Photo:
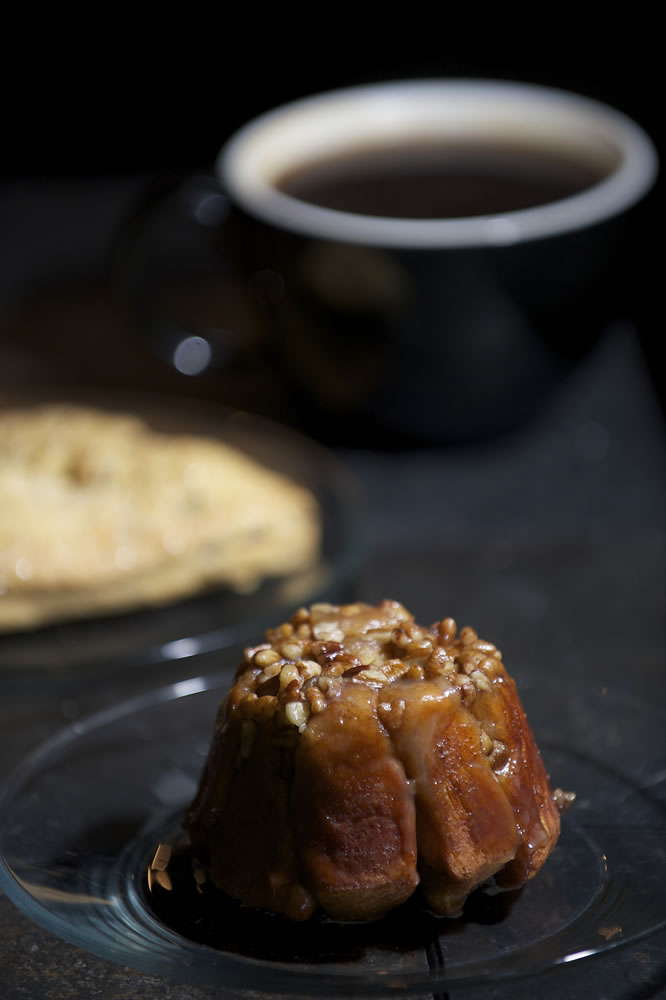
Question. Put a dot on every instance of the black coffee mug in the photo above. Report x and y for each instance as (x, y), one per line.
(427, 259)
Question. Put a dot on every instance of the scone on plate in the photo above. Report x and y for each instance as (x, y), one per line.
(100, 513)
(358, 755)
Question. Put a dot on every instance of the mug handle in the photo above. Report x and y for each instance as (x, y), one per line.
(174, 272)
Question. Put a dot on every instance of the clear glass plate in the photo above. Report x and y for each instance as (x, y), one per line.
(81, 818)
(216, 618)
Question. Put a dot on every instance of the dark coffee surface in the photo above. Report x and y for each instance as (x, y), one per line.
(440, 180)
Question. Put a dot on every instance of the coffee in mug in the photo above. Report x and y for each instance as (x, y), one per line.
(444, 179)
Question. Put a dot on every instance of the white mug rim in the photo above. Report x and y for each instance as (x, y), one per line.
(254, 193)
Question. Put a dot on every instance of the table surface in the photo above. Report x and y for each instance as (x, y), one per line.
(550, 541)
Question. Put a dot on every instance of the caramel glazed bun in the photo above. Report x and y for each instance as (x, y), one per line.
(358, 754)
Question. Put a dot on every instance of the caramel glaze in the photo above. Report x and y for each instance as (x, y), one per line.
(358, 754)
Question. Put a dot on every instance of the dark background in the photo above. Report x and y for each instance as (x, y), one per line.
(105, 93)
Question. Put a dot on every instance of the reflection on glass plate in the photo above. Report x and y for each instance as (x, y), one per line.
(218, 617)
(81, 818)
